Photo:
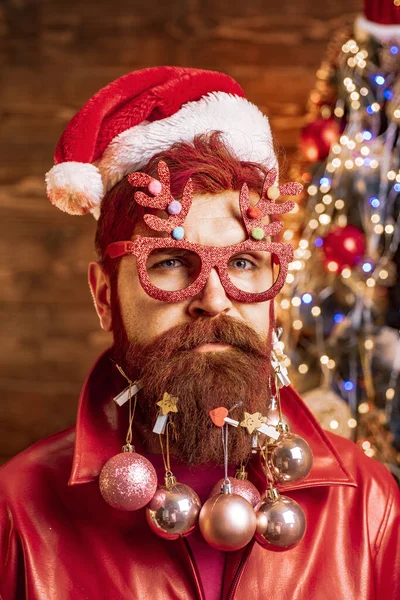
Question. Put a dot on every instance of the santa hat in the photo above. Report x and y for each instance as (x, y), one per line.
(140, 114)
(381, 20)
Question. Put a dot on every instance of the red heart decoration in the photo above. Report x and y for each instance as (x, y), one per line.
(218, 415)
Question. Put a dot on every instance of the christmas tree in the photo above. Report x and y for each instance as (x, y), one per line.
(340, 309)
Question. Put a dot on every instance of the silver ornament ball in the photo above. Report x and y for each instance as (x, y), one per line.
(281, 523)
(173, 511)
(290, 459)
(227, 522)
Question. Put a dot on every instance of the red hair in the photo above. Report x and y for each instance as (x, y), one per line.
(210, 164)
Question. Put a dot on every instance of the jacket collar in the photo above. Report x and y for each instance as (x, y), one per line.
(102, 425)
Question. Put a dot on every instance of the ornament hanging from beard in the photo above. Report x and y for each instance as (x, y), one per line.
(202, 381)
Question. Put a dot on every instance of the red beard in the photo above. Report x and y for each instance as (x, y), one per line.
(201, 381)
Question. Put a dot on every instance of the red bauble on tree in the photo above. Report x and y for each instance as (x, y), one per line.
(343, 246)
(316, 139)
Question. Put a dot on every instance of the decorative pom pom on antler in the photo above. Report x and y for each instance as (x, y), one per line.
(267, 206)
(162, 199)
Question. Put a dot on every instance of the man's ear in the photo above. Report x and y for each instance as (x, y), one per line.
(99, 284)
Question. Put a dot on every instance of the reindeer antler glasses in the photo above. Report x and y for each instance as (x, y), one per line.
(173, 269)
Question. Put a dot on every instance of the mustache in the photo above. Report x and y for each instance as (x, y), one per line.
(203, 330)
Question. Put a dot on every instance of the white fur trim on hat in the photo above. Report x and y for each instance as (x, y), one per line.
(383, 33)
(245, 129)
(75, 187)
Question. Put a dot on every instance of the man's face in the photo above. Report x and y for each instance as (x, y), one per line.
(213, 220)
(207, 350)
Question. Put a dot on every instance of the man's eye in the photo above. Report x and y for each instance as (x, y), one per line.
(242, 263)
(168, 263)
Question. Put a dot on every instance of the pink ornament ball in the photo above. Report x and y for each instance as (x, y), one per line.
(128, 481)
(241, 487)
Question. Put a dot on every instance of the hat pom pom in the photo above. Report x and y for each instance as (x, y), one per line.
(75, 187)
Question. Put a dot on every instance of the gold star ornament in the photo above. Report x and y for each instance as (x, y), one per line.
(252, 422)
(168, 404)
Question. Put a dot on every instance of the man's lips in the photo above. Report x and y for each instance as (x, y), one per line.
(212, 347)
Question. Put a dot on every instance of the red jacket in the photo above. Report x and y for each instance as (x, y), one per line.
(61, 541)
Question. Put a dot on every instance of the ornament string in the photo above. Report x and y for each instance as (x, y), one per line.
(277, 394)
(268, 472)
(169, 430)
(225, 440)
(131, 410)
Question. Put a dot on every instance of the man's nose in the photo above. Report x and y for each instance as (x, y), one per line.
(211, 300)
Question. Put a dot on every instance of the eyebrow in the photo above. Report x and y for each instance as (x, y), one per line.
(179, 251)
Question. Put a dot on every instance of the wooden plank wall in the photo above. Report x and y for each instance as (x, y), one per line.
(54, 56)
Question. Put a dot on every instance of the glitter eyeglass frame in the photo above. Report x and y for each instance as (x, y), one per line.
(210, 257)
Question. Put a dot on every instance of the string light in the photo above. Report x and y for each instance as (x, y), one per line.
(288, 235)
(339, 204)
(338, 112)
(332, 266)
(285, 304)
(390, 393)
(297, 324)
(315, 311)
(352, 423)
(324, 219)
(303, 369)
(389, 229)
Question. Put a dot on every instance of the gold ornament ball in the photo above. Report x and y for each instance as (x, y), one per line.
(227, 522)
(280, 523)
(173, 511)
(241, 487)
(290, 459)
(128, 481)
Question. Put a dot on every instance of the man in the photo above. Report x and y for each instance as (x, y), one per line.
(186, 283)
